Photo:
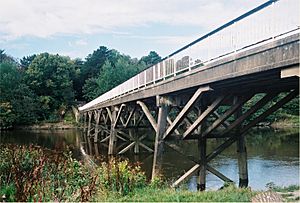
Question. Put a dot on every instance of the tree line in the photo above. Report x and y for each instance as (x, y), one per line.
(42, 87)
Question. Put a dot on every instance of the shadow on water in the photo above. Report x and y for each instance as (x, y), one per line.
(273, 156)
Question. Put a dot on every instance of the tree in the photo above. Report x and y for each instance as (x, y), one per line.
(112, 75)
(4, 58)
(50, 77)
(26, 61)
(92, 67)
(18, 104)
(151, 59)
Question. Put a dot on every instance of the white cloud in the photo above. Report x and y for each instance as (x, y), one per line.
(80, 42)
(44, 18)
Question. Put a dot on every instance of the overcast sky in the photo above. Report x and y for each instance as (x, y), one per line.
(134, 27)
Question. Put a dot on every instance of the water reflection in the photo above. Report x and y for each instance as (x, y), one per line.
(273, 156)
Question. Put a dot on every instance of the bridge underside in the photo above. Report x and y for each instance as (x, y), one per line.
(222, 100)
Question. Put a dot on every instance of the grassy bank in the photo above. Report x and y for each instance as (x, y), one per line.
(35, 174)
(289, 121)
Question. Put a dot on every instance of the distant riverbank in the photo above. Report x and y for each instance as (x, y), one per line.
(49, 126)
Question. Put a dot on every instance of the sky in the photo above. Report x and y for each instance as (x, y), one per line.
(76, 28)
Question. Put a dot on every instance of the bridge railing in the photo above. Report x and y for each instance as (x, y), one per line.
(266, 22)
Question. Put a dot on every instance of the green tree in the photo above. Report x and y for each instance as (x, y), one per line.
(151, 59)
(18, 104)
(26, 61)
(112, 75)
(4, 58)
(50, 77)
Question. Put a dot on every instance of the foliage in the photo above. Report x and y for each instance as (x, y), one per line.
(32, 174)
(119, 177)
(50, 77)
(26, 61)
(15, 94)
(4, 58)
(112, 75)
(151, 59)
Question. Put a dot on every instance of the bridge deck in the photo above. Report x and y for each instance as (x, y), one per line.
(251, 68)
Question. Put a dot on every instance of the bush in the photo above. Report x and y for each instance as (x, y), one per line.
(32, 174)
(120, 177)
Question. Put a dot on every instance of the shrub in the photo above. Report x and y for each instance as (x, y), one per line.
(120, 177)
(28, 173)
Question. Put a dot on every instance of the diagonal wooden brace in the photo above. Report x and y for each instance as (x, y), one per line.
(130, 116)
(118, 115)
(185, 110)
(204, 115)
(148, 115)
(226, 115)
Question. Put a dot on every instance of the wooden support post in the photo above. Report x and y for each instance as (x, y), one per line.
(137, 141)
(90, 113)
(202, 141)
(158, 146)
(202, 172)
(241, 148)
(97, 127)
(113, 132)
(84, 121)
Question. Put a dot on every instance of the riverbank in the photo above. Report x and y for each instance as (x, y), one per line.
(290, 121)
(29, 173)
(49, 126)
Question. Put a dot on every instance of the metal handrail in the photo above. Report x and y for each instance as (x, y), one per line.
(260, 25)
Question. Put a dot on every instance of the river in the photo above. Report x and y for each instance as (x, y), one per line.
(273, 156)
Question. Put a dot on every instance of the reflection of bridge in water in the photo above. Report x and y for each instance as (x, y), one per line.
(203, 91)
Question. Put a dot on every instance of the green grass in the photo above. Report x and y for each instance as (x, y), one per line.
(166, 194)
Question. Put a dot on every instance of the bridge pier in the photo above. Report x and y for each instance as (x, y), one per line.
(201, 182)
(90, 114)
(85, 122)
(241, 149)
(163, 111)
(113, 131)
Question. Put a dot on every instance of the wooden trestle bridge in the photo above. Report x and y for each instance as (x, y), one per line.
(202, 91)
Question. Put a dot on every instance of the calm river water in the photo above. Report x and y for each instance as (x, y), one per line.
(273, 156)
